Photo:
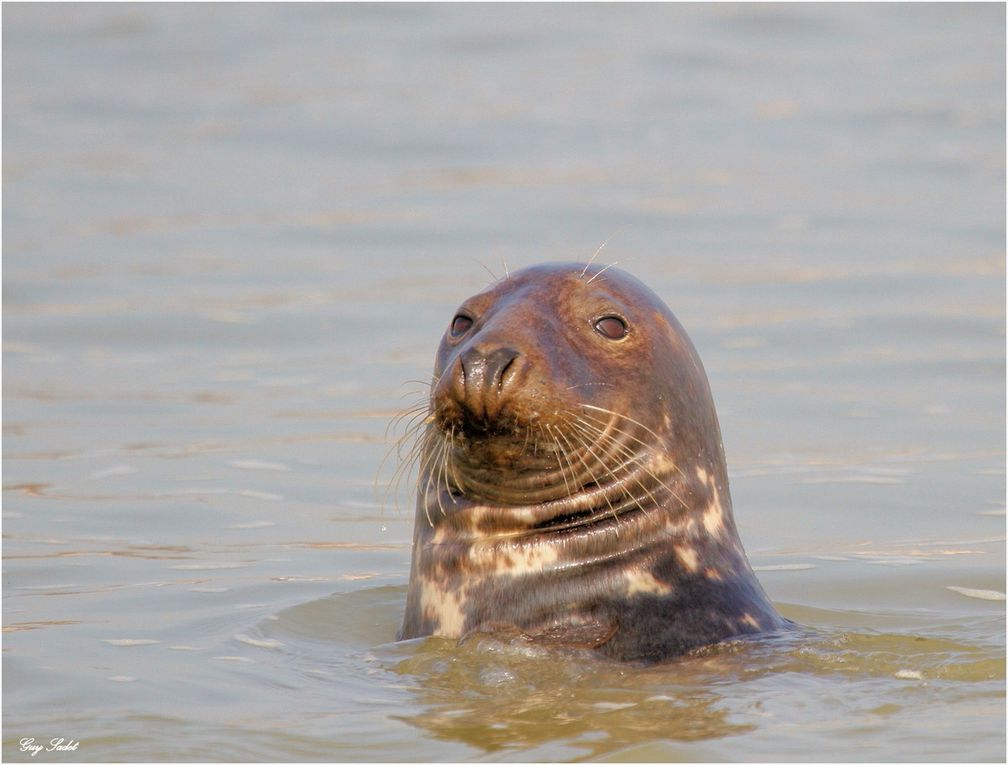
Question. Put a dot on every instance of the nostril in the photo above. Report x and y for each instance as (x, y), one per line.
(498, 364)
(504, 369)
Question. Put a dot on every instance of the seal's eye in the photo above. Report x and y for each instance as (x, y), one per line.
(611, 327)
(460, 325)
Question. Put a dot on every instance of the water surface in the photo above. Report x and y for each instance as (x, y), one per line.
(233, 234)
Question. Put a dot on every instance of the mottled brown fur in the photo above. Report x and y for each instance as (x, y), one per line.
(575, 484)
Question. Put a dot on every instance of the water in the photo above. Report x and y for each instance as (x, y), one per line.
(233, 233)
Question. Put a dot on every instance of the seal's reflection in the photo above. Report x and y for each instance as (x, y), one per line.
(498, 693)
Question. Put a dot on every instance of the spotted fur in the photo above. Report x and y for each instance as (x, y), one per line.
(572, 483)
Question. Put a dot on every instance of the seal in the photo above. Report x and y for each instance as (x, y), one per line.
(572, 484)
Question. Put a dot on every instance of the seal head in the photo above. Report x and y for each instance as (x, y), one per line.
(572, 483)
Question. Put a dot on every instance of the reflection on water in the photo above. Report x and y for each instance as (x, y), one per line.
(497, 696)
(233, 233)
(503, 696)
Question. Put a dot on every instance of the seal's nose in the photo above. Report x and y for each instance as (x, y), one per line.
(487, 370)
(485, 380)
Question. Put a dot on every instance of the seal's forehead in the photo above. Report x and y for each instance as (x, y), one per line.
(585, 278)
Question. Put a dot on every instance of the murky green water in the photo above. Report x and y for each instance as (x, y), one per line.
(233, 233)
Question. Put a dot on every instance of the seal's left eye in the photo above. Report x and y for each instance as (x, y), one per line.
(611, 327)
(460, 325)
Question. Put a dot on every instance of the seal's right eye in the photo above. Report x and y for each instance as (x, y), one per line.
(460, 325)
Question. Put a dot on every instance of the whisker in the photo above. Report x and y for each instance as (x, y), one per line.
(601, 271)
(633, 457)
(411, 434)
(423, 384)
(430, 469)
(450, 478)
(596, 253)
(528, 432)
(426, 494)
(559, 453)
(589, 384)
(622, 417)
(569, 454)
(635, 422)
(487, 269)
(441, 468)
(403, 469)
(416, 420)
(587, 447)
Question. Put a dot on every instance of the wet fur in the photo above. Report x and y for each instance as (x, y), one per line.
(582, 497)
